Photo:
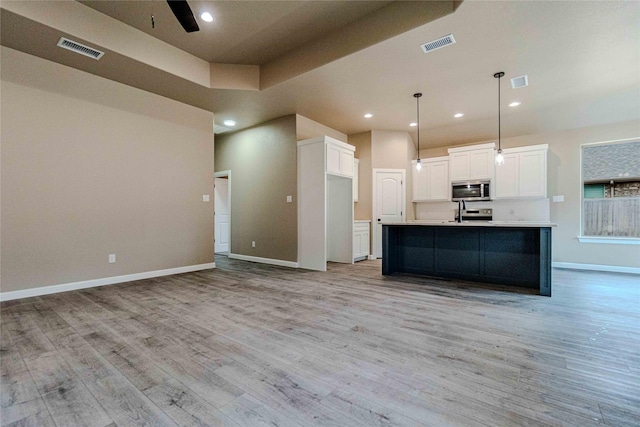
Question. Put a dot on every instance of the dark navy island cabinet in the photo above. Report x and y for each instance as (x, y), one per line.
(505, 255)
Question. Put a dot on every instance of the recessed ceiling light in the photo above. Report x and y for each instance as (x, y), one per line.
(368, 116)
(414, 124)
(229, 123)
(458, 115)
(206, 17)
(514, 104)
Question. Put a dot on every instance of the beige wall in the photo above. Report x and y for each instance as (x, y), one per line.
(362, 142)
(564, 179)
(262, 161)
(394, 150)
(91, 167)
(307, 128)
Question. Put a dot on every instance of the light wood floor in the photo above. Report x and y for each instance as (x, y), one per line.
(255, 345)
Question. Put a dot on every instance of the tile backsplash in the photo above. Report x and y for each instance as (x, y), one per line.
(503, 210)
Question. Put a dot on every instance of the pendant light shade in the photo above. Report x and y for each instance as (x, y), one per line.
(499, 156)
(417, 96)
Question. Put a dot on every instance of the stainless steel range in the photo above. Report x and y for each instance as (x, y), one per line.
(485, 214)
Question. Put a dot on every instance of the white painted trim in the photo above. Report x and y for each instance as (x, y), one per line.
(54, 289)
(371, 257)
(472, 147)
(610, 240)
(526, 148)
(374, 189)
(596, 267)
(581, 183)
(271, 261)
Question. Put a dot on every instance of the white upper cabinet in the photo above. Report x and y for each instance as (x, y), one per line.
(471, 163)
(506, 182)
(339, 157)
(432, 182)
(523, 174)
(356, 178)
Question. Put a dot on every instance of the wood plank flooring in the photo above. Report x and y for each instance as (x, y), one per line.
(256, 345)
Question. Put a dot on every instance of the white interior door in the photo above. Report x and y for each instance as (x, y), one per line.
(388, 203)
(221, 215)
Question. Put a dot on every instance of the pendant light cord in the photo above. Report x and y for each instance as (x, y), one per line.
(417, 96)
(499, 116)
(498, 76)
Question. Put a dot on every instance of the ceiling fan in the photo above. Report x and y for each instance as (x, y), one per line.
(182, 11)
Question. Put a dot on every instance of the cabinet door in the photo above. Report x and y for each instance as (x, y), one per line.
(438, 180)
(507, 177)
(419, 183)
(333, 158)
(346, 162)
(364, 243)
(356, 244)
(459, 166)
(533, 174)
(356, 179)
(481, 164)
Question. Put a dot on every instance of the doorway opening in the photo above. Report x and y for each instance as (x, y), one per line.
(388, 202)
(222, 212)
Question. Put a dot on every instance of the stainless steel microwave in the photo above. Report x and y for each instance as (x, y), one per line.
(470, 191)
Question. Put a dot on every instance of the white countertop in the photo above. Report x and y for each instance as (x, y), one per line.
(444, 222)
(361, 220)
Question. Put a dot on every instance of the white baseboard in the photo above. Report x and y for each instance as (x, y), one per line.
(371, 257)
(271, 261)
(596, 267)
(54, 289)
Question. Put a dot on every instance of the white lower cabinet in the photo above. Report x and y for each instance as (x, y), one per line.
(523, 174)
(361, 240)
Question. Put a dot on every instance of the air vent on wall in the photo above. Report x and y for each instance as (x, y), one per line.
(80, 48)
(437, 44)
(521, 81)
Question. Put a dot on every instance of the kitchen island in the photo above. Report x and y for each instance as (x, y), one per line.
(500, 252)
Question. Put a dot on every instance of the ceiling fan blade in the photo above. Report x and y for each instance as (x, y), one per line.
(182, 11)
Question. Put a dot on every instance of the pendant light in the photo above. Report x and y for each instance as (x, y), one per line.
(499, 156)
(417, 97)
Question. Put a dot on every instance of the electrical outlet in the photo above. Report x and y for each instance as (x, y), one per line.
(253, 243)
(289, 199)
(205, 198)
(112, 258)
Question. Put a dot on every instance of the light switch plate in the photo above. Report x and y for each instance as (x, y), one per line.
(205, 198)
(289, 199)
(112, 258)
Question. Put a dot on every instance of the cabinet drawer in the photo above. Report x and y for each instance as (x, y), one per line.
(360, 226)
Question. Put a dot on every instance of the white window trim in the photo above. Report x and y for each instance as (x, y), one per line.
(609, 240)
(601, 239)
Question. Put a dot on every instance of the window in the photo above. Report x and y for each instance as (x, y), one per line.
(611, 189)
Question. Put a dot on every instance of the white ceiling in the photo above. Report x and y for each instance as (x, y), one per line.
(582, 59)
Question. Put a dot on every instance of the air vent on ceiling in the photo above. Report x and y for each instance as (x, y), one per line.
(521, 81)
(437, 44)
(80, 48)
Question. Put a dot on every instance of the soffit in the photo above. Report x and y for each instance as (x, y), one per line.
(243, 32)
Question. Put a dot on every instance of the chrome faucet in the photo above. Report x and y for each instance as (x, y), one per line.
(462, 203)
